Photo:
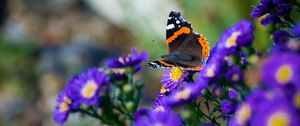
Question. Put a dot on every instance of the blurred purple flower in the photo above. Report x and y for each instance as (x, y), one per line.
(66, 102)
(186, 93)
(234, 75)
(132, 60)
(232, 93)
(159, 118)
(63, 108)
(245, 111)
(88, 86)
(281, 69)
(212, 69)
(218, 91)
(281, 37)
(269, 19)
(160, 104)
(227, 107)
(241, 34)
(172, 78)
(275, 111)
(296, 30)
(271, 10)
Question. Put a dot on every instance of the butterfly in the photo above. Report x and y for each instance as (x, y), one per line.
(187, 49)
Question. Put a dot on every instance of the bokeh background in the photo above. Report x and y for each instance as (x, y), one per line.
(44, 42)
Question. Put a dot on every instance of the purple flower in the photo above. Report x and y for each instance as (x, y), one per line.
(88, 85)
(212, 69)
(66, 103)
(241, 34)
(234, 75)
(132, 60)
(275, 111)
(281, 69)
(296, 99)
(227, 106)
(186, 93)
(232, 93)
(296, 30)
(271, 10)
(281, 37)
(160, 104)
(246, 110)
(218, 91)
(160, 118)
(63, 108)
(269, 19)
(172, 78)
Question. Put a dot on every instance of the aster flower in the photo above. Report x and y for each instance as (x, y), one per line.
(63, 108)
(212, 69)
(186, 93)
(218, 91)
(232, 93)
(246, 110)
(241, 34)
(227, 107)
(88, 86)
(275, 111)
(66, 103)
(234, 75)
(281, 69)
(160, 104)
(132, 60)
(271, 10)
(160, 118)
(172, 78)
(296, 99)
(281, 37)
(296, 30)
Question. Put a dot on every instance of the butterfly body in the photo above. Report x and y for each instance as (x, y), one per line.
(187, 49)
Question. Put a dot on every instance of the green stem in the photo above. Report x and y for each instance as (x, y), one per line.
(212, 120)
(95, 115)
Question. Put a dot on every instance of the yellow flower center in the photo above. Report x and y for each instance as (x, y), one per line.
(183, 94)
(297, 99)
(63, 107)
(176, 73)
(284, 74)
(231, 41)
(159, 109)
(211, 71)
(235, 77)
(89, 89)
(243, 114)
(278, 119)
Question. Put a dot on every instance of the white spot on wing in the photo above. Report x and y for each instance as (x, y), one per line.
(177, 21)
(170, 26)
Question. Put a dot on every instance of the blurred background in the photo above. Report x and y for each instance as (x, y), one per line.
(44, 42)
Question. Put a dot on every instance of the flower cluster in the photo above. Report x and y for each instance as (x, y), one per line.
(238, 85)
(90, 90)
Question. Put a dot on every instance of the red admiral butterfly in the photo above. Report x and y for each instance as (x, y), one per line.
(187, 49)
